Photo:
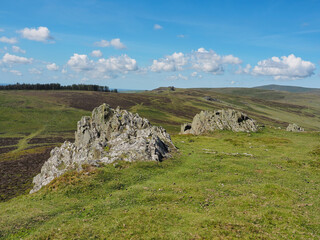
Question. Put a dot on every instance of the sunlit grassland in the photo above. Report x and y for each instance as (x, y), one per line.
(223, 185)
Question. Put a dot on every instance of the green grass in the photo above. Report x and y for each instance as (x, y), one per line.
(225, 185)
(203, 192)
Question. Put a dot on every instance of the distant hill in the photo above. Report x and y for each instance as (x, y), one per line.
(292, 89)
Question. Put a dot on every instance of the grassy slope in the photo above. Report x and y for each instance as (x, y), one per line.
(201, 193)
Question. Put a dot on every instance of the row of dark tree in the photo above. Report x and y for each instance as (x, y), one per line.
(57, 86)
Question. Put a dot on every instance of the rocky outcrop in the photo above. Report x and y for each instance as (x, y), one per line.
(294, 128)
(207, 121)
(107, 136)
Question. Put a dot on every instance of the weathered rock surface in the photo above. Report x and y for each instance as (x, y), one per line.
(207, 121)
(107, 136)
(294, 128)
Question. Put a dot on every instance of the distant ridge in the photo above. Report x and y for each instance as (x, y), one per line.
(292, 89)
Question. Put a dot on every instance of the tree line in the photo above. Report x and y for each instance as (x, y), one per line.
(57, 86)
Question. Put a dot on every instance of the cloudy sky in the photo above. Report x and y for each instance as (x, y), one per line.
(147, 44)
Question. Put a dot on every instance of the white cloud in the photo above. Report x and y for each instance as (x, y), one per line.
(157, 27)
(1, 30)
(290, 67)
(121, 63)
(80, 63)
(96, 53)
(210, 61)
(174, 62)
(116, 43)
(200, 60)
(8, 40)
(42, 34)
(16, 72)
(104, 67)
(35, 71)
(52, 67)
(10, 59)
(245, 70)
(194, 74)
(181, 36)
(17, 49)
(63, 71)
(176, 77)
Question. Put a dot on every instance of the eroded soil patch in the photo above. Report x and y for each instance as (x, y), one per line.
(9, 141)
(16, 175)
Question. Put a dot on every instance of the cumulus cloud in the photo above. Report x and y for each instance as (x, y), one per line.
(210, 61)
(116, 43)
(40, 34)
(245, 70)
(11, 59)
(16, 72)
(200, 60)
(176, 77)
(194, 74)
(80, 63)
(8, 40)
(285, 67)
(35, 71)
(157, 27)
(104, 67)
(174, 62)
(96, 53)
(17, 49)
(52, 67)
(121, 63)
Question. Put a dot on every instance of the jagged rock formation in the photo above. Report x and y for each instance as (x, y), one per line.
(107, 136)
(294, 128)
(229, 119)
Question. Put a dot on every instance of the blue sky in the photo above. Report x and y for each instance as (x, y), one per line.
(147, 44)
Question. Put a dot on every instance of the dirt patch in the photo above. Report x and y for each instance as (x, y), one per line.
(49, 140)
(16, 175)
(9, 141)
(7, 149)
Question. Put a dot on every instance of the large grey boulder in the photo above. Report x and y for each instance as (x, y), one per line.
(229, 119)
(294, 128)
(107, 136)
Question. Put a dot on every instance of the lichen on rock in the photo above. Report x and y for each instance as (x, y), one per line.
(108, 135)
(229, 119)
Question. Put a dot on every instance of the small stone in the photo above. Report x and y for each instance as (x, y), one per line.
(294, 128)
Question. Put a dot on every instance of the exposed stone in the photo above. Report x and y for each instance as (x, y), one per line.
(211, 99)
(207, 121)
(105, 137)
(294, 128)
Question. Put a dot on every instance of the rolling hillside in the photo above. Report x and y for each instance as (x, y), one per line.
(262, 185)
(288, 88)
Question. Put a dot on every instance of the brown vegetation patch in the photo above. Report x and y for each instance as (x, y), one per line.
(16, 175)
(9, 141)
(49, 140)
(7, 149)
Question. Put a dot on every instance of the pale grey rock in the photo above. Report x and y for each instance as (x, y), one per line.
(107, 136)
(229, 119)
(294, 128)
